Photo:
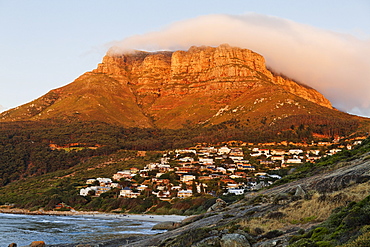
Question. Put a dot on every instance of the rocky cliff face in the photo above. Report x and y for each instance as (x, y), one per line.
(204, 85)
(219, 68)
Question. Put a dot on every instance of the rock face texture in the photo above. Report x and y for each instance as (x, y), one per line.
(204, 85)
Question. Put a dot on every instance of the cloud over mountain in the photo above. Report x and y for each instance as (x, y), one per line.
(335, 64)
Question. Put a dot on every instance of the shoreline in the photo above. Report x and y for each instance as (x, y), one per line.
(139, 217)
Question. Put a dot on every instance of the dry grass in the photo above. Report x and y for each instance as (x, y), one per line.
(304, 213)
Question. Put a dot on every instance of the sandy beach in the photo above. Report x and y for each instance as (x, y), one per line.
(140, 217)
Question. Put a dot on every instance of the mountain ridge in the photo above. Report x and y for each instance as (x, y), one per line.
(203, 86)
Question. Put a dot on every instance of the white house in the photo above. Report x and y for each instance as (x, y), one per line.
(236, 158)
(205, 161)
(221, 169)
(235, 191)
(115, 185)
(90, 181)
(335, 150)
(104, 180)
(277, 157)
(232, 186)
(98, 190)
(101, 189)
(185, 151)
(122, 174)
(142, 187)
(184, 193)
(294, 161)
(246, 167)
(186, 159)
(186, 178)
(176, 188)
(162, 194)
(223, 150)
(295, 151)
(314, 151)
(128, 193)
(85, 191)
(277, 152)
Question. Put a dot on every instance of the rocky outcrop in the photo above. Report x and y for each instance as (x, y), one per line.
(167, 225)
(220, 204)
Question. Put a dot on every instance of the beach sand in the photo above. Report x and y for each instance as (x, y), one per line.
(139, 217)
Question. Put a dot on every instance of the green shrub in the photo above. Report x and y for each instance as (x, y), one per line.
(324, 244)
(273, 234)
(304, 243)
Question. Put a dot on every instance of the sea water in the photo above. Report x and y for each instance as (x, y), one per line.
(24, 229)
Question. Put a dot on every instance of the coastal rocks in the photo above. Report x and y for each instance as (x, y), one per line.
(167, 225)
(191, 219)
(220, 204)
(12, 245)
(37, 244)
(234, 240)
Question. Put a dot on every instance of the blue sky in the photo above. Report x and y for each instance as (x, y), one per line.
(47, 44)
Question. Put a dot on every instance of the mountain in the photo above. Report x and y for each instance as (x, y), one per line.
(201, 86)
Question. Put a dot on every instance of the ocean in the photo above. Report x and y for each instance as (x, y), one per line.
(24, 229)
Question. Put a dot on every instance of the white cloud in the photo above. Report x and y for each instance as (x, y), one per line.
(2, 108)
(335, 64)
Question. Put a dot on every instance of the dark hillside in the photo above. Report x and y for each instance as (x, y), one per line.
(35, 148)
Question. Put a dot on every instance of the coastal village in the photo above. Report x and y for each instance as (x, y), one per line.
(232, 168)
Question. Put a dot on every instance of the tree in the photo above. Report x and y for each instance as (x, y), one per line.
(194, 188)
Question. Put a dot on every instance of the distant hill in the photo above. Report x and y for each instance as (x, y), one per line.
(203, 86)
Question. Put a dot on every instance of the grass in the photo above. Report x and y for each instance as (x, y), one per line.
(306, 212)
(348, 226)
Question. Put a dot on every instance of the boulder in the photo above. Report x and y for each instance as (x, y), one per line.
(167, 225)
(12, 245)
(37, 244)
(281, 198)
(210, 241)
(299, 192)
(220, 204)
(249, 237)
(234, 240)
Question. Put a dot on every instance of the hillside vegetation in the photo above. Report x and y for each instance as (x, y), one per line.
(34, 148)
